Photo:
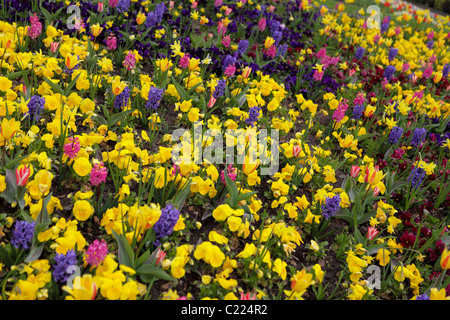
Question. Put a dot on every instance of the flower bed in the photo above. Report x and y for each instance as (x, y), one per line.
(230, 150)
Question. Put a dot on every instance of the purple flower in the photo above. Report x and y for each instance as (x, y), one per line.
(63, 262)
(384, 27)
(166, 222)
(122, 99)
(392, 54)
(423, 297)
(35, 107)
(418, 136)
(123, 5)
(253, 115)
(359, 53)
(395, 135)
(229, 60)
(220, 88)
(151, 20)
(331, 206)
(445, 70)
(416, 177)
(22, 234)
(154, 98)
(159, 11)
(357, 111)
(389, 72)
(242, 47)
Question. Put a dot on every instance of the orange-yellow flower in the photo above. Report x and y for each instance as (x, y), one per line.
(445, 259)
(9, 128)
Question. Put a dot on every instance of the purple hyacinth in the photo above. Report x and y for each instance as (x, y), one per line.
(416, 177)
(242, 47)
(281, 51)
(35, 107)
(220, 88)
(392, 54)
(389, 72)
(423, 297)
(277, 35)
(154, 98)
(166, 222)
(395, 135)
(384, 27)
(331, 206)
(430, 44)
(418, 136)
(122, 99)
(123, 5)
(159, 11)
(22, 234)
(253, 115)
(445, 70)
(229, 60)
(359, 53)
(63, 262)
(151, 21)
(358, 110)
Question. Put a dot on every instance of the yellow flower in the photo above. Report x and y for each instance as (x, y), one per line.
(118, 86)
(71, 61)
(96, 29)
(82, 210)
(82, 166)
(84, 288)
(301, 281)
(268, 42)
(9, 128)
(222, 212)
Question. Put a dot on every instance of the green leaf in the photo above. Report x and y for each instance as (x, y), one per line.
(42, 223)
(142, 259)
(56, 88)
(147, 271)
(9, 194)
(232, 189)
(115, 118)
(126, 254)
(180, 90)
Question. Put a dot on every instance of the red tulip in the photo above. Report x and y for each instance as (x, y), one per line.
(371, 233)
(22, 176)
(354, 172)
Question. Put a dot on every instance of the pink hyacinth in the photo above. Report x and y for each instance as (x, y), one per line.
(130, 61)
(318, 75)
(321, 54)
(71, 149)
(35, 27)
(262, 24)
(184, 61)
(231, 172)
(359, 99)
(98, 174)
(230, 70)
(111, 42)
(339, 113)
(218, 3)
(428, 72)
(96, 253)
(272, 51)
(226, 41)
(113, 3)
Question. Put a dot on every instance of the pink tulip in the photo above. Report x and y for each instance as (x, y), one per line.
(22, 176)
(371, 233)
(354, 172)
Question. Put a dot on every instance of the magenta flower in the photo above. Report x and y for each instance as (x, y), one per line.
(96, 253)
(230, 70)
(71, 149)
(98, 174)
(231, 172)
(339, 113)
(35, 27)
(184, 61)
(130, 61)
(226, 41)
(111, 42)
(272, 51)
(262, 24)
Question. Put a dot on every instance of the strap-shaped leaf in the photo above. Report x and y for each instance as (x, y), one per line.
(126, 254)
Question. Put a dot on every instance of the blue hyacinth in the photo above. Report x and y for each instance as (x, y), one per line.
(331, 206)
(395, 135)
(22, 234)
(166, 222)
(35, 107)
(63, 262)
(154, 98)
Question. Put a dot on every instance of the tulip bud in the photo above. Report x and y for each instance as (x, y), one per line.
(354, 172)
(100, 7)
(22, 176)
(54, 46)
(296, 150)
(371, 233)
